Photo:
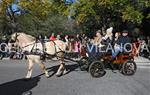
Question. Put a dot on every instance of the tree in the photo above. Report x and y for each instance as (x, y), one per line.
(98, 13)
(53, 23)
(8, 16)
(36, 17)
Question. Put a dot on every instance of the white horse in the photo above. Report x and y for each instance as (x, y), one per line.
(28, 44)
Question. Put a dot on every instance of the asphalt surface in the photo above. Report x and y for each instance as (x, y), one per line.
(75, 82)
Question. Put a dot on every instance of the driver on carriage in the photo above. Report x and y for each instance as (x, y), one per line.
(122, 44)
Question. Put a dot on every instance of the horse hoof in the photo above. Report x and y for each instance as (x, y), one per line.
(47, 76)
(59, 74)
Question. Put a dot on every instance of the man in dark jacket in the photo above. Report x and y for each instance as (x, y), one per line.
(123, 44)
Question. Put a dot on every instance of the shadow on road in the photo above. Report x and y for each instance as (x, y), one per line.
(19, 86)
(69, 69)
(53, 69)
(72, 67)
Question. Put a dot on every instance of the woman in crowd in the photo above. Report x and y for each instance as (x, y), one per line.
(136, 46)
(52, 37)
(107, 39)
(98, 38)
(116, 40)
(77, 44)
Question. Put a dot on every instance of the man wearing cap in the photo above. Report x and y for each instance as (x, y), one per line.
(123, 44)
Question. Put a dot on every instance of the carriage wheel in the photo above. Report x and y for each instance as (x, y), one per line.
(129, 68)
(83, 64)
(96, 69)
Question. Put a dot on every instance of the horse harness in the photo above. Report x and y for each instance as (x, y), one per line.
(36, 51)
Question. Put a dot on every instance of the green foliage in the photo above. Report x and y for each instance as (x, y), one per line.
(54, 23)
(148, 17)
(43, 17)
(46, 16)
(37, 8)
(109, 11)
(130, 14)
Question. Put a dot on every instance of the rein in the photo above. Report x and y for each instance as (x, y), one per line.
(28, 45)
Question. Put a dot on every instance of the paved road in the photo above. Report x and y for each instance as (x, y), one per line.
(76, 82)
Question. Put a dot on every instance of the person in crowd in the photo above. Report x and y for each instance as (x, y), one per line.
(66, 40)
(148, 41)
(83, 50)
(52, 37)
(83, 36)
(45, 38)
(40, 37)
(77, 44)
(136, 46)
(58, 37)
(145, 48)
(71, 44)
(85, 41)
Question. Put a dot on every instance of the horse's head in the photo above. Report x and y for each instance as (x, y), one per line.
(14, 38)
(12, 44)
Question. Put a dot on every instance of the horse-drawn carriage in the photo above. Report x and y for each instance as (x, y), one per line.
(96, 65)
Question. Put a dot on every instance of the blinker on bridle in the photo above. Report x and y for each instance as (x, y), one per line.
(16, 35)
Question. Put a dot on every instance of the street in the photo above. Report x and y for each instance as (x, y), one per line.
(75, 82)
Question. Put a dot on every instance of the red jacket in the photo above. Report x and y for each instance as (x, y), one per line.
(52, 38)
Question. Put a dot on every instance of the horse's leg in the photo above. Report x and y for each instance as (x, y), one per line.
(30, 67)
(61, 69)
(42, 66)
